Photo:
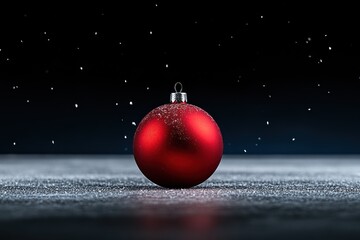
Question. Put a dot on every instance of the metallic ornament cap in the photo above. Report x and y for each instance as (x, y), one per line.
(178, 96)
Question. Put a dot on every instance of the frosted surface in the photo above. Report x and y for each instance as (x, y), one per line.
(107, 197)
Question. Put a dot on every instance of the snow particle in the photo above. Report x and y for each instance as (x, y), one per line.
(52, 142)
(81, 68)
(125, 137)
(131, 103)
(133, 123)
(293, 139)
(267, 123)
(76, 105)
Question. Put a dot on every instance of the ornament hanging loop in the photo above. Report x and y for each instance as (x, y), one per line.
(176, 86)
(178, 96)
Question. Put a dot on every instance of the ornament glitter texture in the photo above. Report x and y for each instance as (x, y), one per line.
(178, 145)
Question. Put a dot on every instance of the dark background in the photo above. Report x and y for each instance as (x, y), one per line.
(294, 64)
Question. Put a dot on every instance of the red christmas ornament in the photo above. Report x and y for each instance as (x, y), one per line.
(178, 145)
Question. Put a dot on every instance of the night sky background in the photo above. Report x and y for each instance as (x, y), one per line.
(279, 78)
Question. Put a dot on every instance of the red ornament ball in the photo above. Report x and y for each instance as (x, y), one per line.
(178, 145)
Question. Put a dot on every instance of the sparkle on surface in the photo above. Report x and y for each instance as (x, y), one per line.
(255, 196)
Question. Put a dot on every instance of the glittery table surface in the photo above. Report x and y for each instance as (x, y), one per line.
(106, 197)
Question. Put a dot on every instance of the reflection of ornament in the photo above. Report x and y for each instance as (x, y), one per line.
(178, 145)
